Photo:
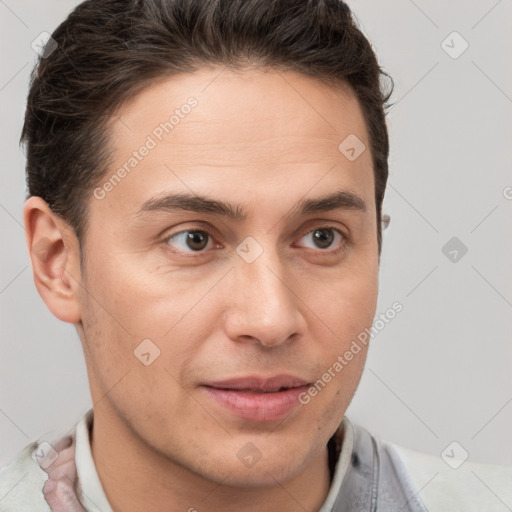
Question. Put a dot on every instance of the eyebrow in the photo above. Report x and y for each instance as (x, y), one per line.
(341, 200)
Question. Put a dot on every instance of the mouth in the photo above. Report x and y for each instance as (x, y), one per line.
(257, 398)
(256, 383)
(254, 390)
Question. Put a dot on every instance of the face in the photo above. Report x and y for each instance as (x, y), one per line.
(196, 312)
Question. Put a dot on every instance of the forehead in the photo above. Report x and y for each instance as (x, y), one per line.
(242, 103)
(255, 128)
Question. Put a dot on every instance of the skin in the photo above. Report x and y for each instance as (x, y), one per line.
(264, 140)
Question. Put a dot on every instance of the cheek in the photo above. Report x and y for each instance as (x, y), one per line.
(141, 375)
(346, 304)
(141, 332)
(345, 309)
(138, 304)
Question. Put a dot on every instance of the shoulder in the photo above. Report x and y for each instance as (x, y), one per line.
(451, 482)
(22, 482)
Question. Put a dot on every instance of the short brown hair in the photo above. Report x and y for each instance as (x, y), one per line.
(109, 50)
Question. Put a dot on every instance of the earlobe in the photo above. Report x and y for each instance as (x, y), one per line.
(54, 253)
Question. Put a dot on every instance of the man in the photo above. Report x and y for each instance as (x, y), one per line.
(205, 193)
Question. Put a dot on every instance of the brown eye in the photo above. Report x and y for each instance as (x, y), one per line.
(190, 240)
(324, 237)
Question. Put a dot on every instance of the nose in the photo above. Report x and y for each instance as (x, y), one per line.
(263, 306)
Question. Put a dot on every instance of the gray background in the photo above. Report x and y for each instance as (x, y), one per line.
(441, 370)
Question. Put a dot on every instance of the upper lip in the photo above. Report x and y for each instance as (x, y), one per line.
(257, 383)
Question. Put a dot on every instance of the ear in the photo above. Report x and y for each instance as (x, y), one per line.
(55, 255)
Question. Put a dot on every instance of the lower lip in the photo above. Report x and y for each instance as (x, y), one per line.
(257, 406)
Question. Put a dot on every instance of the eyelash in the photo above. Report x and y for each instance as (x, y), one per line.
(344, 242)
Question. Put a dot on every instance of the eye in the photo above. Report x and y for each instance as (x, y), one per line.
(191, 240)
(324, 237)
(197, 240)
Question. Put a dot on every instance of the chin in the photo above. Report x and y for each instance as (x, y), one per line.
(248, 467)
(263, 474)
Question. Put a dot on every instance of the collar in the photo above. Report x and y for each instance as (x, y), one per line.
(343, 440)
(89, 488)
